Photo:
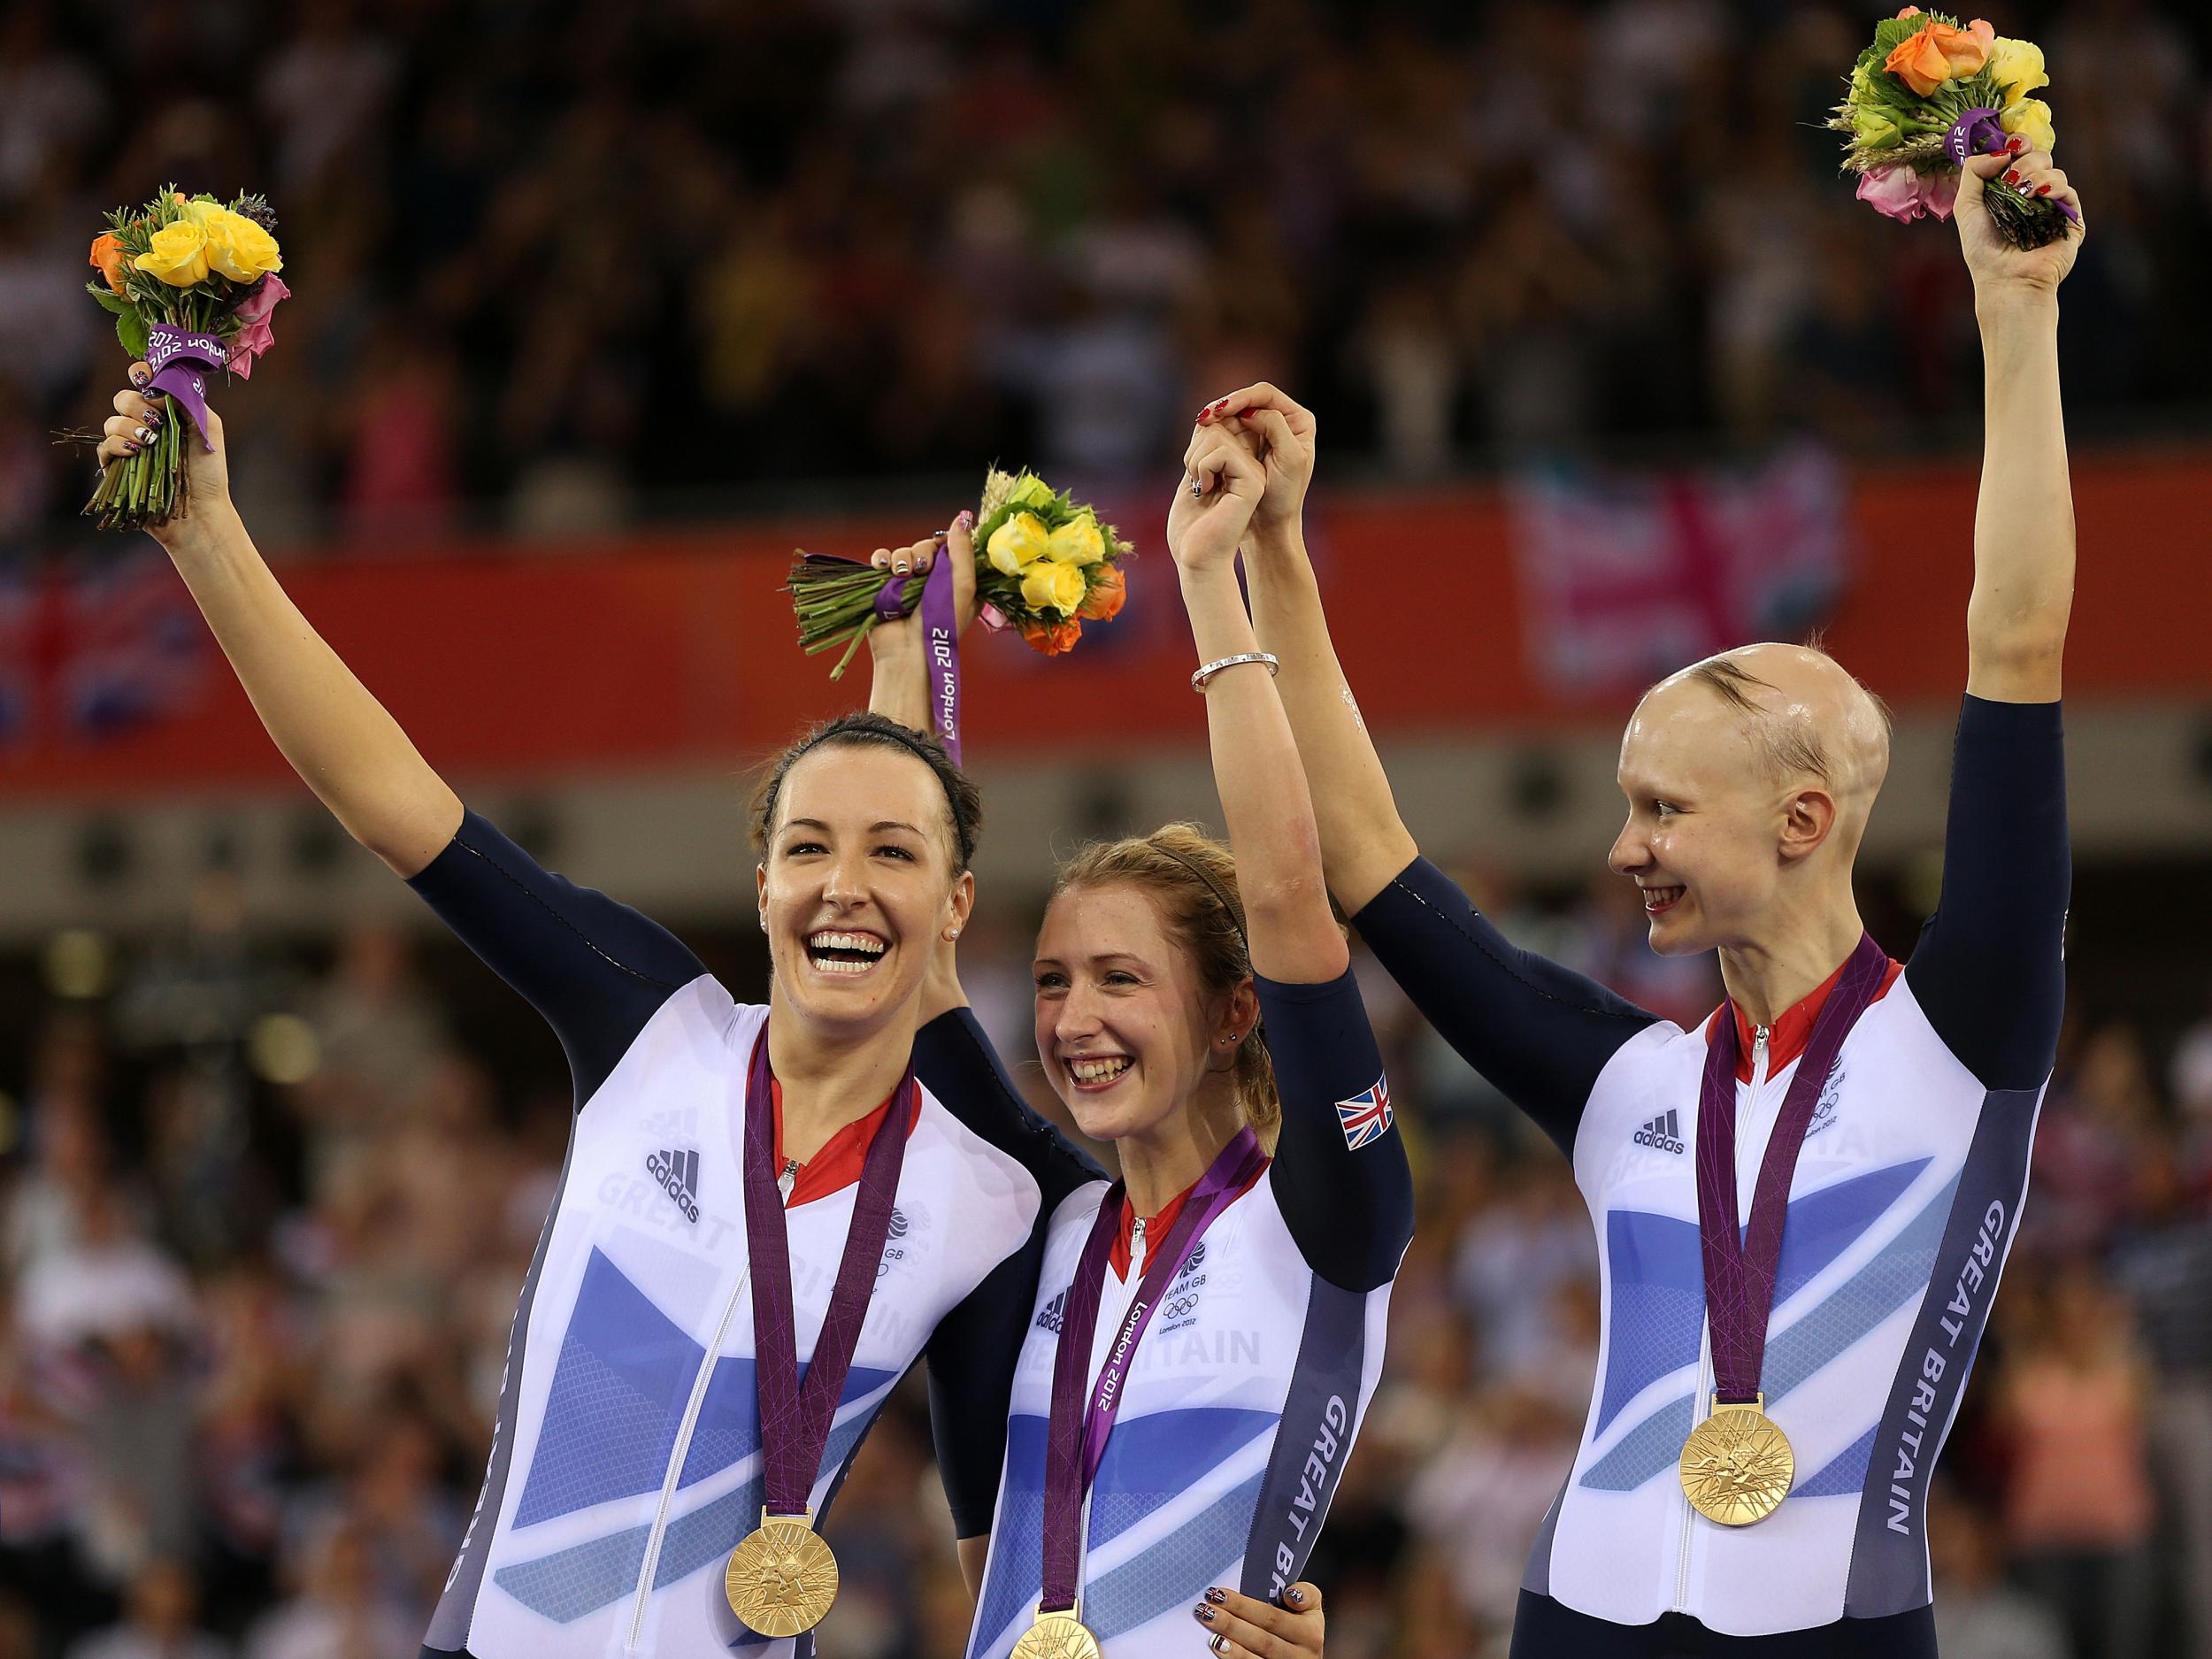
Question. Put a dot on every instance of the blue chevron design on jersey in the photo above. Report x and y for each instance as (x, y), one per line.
(619, 1389)
(570, 1583)
(1149, 1461)
(1863, 1302)
(1658, 1286)
(1843, 1475)
(1175, 1572)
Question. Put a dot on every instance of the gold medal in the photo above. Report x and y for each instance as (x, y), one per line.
(782, 1578)
(1058, 1636)
(1737, 1466)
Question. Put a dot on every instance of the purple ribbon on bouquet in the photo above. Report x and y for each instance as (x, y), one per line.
(1075, 1435)
(1740, 1265)
(1981, 132)
(176, 357)
(941, 645)
(796, 1417)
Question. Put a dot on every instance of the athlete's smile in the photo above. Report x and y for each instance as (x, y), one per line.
(1095, 1073)
(846, 953)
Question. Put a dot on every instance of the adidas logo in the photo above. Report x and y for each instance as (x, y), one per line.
(1663, 1134)
(1054, 1314)
(677, 1172)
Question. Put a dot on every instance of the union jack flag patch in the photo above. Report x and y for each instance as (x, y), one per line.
(1366, 1116)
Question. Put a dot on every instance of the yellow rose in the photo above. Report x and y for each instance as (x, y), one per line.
(2017, 66)
(241, 249)
(1030, 491)
(197, 212)
(1874, 127)
(1017, 544)
(1078, 542)
(1050, 583)
(2030, 118)
(177, 254)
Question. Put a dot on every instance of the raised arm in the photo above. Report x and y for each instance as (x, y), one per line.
(1265, 803)
(338, 737)
(1363, 841)
(1989, 970)
(2023, 522)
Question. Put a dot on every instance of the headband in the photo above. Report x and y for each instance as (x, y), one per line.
(1236, 918)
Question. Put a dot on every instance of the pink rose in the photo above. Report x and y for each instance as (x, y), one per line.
(255, 336)
(1938, 191)
(1896, 192)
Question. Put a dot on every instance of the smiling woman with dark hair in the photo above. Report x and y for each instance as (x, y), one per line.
(733, 1174)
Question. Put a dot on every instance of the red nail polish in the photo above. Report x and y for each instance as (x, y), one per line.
(2043, 189)
(2012, 176)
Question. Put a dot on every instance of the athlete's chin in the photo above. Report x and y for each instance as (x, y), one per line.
(1673, 934)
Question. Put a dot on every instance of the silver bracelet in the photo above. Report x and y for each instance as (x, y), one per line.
(1274, 667)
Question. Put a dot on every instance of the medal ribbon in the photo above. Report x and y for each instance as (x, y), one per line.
(1739, 1266)
(941, 637)
(176, 356)
(1075, 1440)
(794, 1420)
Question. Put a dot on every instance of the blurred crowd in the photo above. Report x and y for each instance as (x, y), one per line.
(267, 1206)
(559, 265)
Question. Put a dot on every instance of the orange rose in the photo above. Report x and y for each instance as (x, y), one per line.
(1939, 53)
(1052, 638)
(108, 257)
(1103, 604)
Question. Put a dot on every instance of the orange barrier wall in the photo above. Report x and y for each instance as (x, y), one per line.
(676, 649)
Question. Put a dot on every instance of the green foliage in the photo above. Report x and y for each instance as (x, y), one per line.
(109, 301)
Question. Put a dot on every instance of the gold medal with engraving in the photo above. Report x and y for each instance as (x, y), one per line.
(782, 1578)
(1058, 1636)
(1737, 1466)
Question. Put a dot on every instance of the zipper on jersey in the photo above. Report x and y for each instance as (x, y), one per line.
(681, 1450)
(1136, 1250)
(1701, 1400)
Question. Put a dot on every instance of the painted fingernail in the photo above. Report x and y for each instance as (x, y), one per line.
(1195, 490)
(1217, 1594)
(1204, 1614)
(2012, 175)
(2043, 189)
(144, 435)
(898, 566)
(966, 520)
(2015, 143)
(1296, 1596)
(152, 417)
(139, 377)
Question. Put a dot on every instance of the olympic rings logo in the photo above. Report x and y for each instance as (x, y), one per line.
(1181, 1308)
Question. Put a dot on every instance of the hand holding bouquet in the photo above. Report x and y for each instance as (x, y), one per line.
(1044, 563)
(1928, 94)
(190, 282)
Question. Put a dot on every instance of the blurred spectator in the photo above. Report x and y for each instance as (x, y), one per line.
(2079, 1507)
(160, 1621)
(2164, 1266)
(1978, 1616)
(336, 1613)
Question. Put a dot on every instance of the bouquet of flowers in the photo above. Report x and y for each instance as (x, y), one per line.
(190, 282)
(1928, 94)
(1044, 564)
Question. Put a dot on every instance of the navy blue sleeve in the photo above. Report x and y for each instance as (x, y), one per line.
(1540, 1032)
(1340, 1172)
(974, 1349)
(1990, 969)
(596, 970)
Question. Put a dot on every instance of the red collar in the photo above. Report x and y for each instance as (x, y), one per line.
(1156, 1227)
(1787, 1037)
(837, 1165)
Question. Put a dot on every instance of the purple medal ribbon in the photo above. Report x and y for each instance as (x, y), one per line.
(1981, 132)
(1076, 1438)
(1739, 1266)
(176, 359)
(794, 1420)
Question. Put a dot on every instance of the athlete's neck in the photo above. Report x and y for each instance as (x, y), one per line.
(1794, 955)
(1168, 1158)
(831, 1078)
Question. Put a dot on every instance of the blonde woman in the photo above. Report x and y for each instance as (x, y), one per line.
(1209, 1328)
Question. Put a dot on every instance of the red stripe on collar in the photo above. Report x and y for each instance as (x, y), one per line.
(1156, 1227)
(837, 1164)
(1787, 1037)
